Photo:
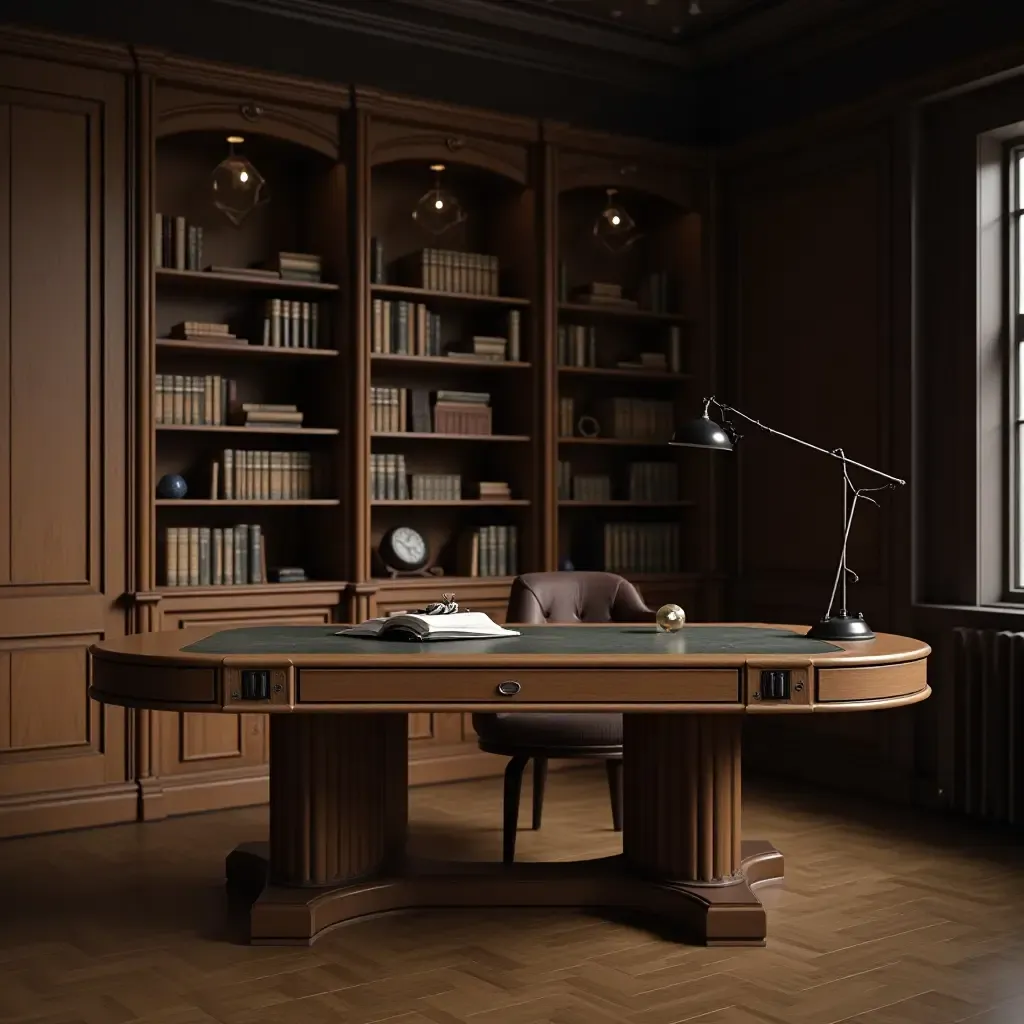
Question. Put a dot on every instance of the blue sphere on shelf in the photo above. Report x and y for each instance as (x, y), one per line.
(171, 485)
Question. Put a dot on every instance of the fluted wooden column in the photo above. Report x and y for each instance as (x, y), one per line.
(338, 796)
(682, 796)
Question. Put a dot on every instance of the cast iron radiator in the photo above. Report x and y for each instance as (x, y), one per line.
(988, 690)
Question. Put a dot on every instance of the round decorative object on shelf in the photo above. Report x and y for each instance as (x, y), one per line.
(403, 549)
(670, 618)
(171, 485)
(588, 426)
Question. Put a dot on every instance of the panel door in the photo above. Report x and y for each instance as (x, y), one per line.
(63, 538)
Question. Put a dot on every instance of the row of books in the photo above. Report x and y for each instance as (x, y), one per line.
(177, 244)
(243, 475)
(437, 270)
(204, 556)
(490, 551)
(404, 328)
(388, 478)
(410, 328)
(641, 547)
(192, 399)
(291, 323)
(397, 410)
(632, 419)
(390, 481)
(585, 486)
(577, 345)
(646, 481)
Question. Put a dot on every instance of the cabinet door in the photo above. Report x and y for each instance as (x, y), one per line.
(63, 382)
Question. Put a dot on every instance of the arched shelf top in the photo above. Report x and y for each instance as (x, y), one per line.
(306, 130)
(669, 185)
(391, 144)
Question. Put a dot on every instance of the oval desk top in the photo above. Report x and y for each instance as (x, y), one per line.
(727, 667)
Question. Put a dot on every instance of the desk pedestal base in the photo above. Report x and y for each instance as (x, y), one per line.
(714, 915)
(339, 810)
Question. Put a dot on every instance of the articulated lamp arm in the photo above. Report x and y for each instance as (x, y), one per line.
(705, 433)
(837, 453)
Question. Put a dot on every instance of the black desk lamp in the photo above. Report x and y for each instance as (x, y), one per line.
(705, 433)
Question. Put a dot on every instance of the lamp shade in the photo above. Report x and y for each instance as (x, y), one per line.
(702, 433)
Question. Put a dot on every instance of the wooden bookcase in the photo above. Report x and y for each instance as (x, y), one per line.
(629, 344)
(345, 169)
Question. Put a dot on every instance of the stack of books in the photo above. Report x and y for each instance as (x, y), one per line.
(647, 361)
(288, 574)
(598, 293)
(493, 490)
(298, 266)
(482, 347)
(200, 330)
(266, 414)
(462, 412)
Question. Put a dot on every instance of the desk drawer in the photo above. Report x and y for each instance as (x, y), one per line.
(535, 686)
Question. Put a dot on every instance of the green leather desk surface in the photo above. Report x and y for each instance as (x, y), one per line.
(534, 640)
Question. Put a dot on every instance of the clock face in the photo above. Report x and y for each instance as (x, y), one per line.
(405, 546)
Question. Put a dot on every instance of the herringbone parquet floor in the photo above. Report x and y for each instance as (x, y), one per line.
(884, 918)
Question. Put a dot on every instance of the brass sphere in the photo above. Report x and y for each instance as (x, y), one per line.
(670, 618)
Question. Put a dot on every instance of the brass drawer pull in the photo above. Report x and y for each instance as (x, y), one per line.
(509, 688)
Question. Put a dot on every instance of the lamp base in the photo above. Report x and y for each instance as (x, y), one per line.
(842, 628)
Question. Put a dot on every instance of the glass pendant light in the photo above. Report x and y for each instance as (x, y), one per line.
(238, 188)
(438, 210)
(614, 228)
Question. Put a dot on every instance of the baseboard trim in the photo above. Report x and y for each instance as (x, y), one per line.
(170, 796)
(153, 799)
(28, 814)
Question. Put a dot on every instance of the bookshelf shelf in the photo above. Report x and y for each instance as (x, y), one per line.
(249, 282)
(446, 581)
(411, 435)
(625, 503)
(196, 428)
(618, 442)
(247, 503)
(622, 313)
(463, 503)
(625, 374)
(253, 589)
(242, 351)
(427, 295)
(385, 359)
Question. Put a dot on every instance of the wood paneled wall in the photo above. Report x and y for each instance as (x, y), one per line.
(63, 429)
(809, 317)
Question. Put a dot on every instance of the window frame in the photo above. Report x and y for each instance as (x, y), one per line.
(1013, 274)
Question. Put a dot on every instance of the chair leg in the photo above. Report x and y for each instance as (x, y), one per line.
(540, 778)
(513, 787)
(613, 768)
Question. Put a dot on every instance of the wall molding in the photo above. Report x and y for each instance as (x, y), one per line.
(646, 70)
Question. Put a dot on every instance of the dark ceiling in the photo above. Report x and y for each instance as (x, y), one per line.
(671, 20)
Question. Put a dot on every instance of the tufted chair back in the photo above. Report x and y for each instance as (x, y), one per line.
(567, 597)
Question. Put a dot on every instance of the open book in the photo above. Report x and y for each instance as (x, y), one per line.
(419, 626)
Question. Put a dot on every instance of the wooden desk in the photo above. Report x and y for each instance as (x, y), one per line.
(338, 757)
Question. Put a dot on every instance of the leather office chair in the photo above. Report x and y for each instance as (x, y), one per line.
(559, 597)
